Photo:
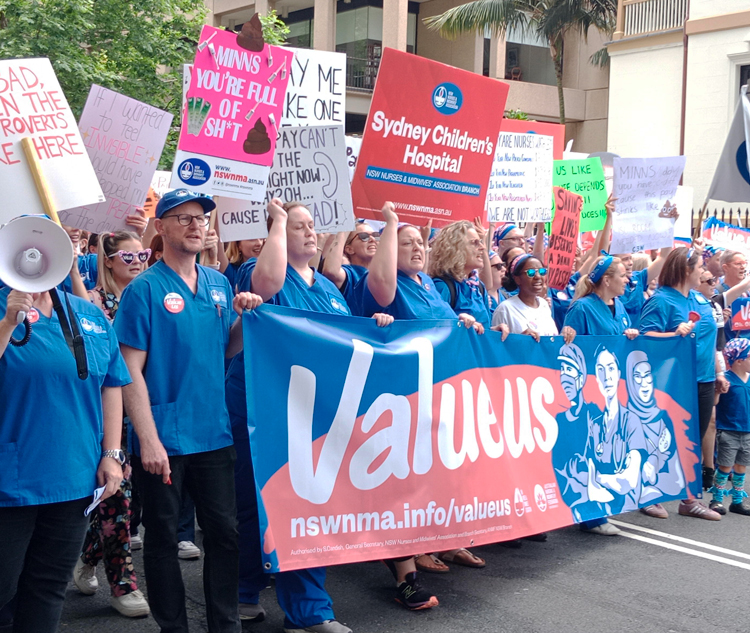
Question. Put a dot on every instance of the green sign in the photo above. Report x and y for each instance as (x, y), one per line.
(585, 178)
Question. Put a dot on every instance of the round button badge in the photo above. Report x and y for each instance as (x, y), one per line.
(174, 302)
(32, 315)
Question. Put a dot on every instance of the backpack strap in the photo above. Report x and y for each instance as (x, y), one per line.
(451, 283)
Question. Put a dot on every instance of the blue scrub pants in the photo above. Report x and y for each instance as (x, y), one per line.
(301, 594)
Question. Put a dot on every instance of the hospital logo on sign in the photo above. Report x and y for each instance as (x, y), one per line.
(174, 303)
(447, 98)
(194, 172)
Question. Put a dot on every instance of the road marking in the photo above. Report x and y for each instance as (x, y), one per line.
(685, 550)
(680, 539)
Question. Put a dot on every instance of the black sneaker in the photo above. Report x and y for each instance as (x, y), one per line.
(739, 508)
(538, 538)
(708, 477)
(717, 507)
(515, 543)
(412, 596)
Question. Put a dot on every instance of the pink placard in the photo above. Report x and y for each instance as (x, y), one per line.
(236, 94)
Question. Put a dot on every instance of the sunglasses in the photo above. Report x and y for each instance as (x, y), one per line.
(711, 281)
(128, 257)
(476, 243)
(365, 237)
(531, 272)
(498, 267)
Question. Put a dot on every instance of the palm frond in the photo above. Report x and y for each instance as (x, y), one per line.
(600, 58)
(495, 15)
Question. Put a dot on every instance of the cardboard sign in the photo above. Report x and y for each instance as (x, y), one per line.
(310, 166)
(683, 225)
(316, 93)
(555, 130)
(232, 113)
(642, 218)
(124, 139)
(429, 141)
(521, 179)
(584, 178)
(353, 145)
(159, 186)
(741, 314)
(33, 105)
(564, 238)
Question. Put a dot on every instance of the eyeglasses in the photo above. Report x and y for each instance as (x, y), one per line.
(185, 219)
(711, 281)
(129, 257)
(477, 243)
(646, 378)
(531, 272)
(365, 237)
(498, 267)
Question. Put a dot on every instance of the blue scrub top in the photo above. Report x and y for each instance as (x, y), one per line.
(51, 423)
(733, 409)
(353, 275)
(664, 311)
(412, 301)
(561, 300)
(590, 315)
(705, 337)
(231, 272)
(633, 298)
(186, 337)
(471, 298)
(88, 268)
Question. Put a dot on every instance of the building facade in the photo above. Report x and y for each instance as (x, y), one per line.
(362, 28)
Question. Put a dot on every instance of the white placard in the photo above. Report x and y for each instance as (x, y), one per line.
(309, 166)
(683, 226)
(160, 182)
(642, 186)
(353, 145)
(316, 93)
(124, 139)
(520, 187)
(33, 105)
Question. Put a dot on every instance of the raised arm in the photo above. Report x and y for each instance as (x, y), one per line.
(654, 268)
(332, 265)
(538, 250)
(485, 275)
(382, 278)
(270, 271)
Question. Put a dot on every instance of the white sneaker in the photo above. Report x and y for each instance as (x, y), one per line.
(605, 529)
(252, 612)
(329, 626)
(187, 550)
(136, 542)
(131, 605)
(84, 577)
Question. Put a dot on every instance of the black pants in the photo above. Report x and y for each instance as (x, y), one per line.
(209, 478)
(706, 396)
(39, 546)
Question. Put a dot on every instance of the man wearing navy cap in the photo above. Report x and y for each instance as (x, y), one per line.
(173, 325)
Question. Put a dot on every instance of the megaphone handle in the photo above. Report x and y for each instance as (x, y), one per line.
(20, 317)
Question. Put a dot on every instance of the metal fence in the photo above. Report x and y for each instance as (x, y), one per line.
(652, 16)
(361, 73)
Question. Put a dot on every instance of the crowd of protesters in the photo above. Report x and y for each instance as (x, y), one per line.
(164, 348)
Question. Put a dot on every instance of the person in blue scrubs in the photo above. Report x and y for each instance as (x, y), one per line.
(457, 258)
(281, 276)
(498, 272)
(59, 440)
(237, 253)
(359, 245)
(667, 313)
(173, 324)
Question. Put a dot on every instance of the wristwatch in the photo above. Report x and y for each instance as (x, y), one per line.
(117, 454)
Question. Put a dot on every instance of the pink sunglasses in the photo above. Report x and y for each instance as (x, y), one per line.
(128, 257)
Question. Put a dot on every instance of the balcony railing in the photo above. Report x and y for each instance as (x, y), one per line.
(361, 73)
(641, 17)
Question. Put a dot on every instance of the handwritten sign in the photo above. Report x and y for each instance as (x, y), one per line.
(741, 314)
(521, 179)
(555, 130)
(642, 187)
(33, 105)
(316, 93)
(124, 139)
(310, 166)
(353, 144)
(586, 178)
(564, 237)
(232, 112)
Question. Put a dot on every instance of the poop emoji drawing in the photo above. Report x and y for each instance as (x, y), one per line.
(251, 36)
(257, 141)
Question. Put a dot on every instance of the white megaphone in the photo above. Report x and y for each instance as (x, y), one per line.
(36, 254)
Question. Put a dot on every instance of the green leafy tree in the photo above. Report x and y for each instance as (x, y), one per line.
(516, 114)
(135, 47)
(274, 30)
(550, 20)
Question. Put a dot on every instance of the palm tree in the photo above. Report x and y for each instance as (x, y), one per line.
(550, 20)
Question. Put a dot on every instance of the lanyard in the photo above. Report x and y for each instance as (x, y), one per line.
(72, 338)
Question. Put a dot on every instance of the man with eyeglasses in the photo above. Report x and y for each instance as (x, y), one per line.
(508, 236)
(173, 325)
(359, 245)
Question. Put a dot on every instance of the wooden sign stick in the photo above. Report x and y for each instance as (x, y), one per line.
(39, 180)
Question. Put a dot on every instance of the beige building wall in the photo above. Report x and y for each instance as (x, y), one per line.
(466, 51)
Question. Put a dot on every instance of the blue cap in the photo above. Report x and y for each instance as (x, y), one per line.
(175, 198)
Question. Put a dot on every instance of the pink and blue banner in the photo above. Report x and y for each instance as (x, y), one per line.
(372, 442)
(722, 235)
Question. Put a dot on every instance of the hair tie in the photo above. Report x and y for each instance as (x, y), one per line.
(518, 261)
(601, 267)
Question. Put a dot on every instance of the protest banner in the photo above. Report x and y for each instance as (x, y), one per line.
(555, 130)
(124, 139)
(728, 236)
(353, 145)
(564, 238)
(642, 218)
(741, 314)
(316, 93)
(32, 105)
(585, 178)
(232, 113)
(311, 167)
(374, 443)
(429, 141)
(521, 179)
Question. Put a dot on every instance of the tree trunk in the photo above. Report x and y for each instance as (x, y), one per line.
(556, 50)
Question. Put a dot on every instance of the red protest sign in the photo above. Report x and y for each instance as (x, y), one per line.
(555, 130)
(429, 141)
(563, 238)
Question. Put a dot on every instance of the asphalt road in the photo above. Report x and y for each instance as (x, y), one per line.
(573, 583)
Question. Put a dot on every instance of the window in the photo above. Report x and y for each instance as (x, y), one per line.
(744, 76)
